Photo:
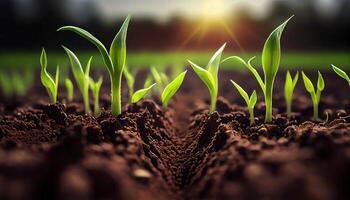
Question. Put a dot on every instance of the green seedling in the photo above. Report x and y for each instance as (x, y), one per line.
(164, 77)
(148, 81)
(70, 89)
(95, 88)
(271, 56)
(6, 85)
(172, 88)
(288, 91)
(114, 60)
(250, 101)
(140, 94)
(50, 85)
(20, 86)
(209, 75)
(81, 77)
(158, 79)
(341, 73)
(129, 81)
(315, 95)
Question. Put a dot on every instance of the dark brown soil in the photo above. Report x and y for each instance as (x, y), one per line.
(54, 151)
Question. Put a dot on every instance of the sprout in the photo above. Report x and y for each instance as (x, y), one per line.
(50, 85)
(6, 85)
(148, 81)
(210, 75)
(81, 77)
(271, 55)
(19, 84)
(315, 96)
(95, 88)
(114, 60)
(70, 89)
(288, 91)
(341, 73)
(158, 79)
(139, 94)
(129, 81)
(172, 88)
(250, 101)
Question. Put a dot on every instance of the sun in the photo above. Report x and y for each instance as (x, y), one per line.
(213, 11)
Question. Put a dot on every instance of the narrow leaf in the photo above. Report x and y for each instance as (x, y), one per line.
(93, 40)
(206, 77)
(308, 84)
(77, 69)
(129, 78)
(117, 50)
(341, 73)
(272, 53)
(139, 94)
(46, 79)
(253, 99)
(172, 88)
(241, 92)
(320, 82)
(214, 63)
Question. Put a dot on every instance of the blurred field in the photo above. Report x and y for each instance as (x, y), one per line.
(307, 61)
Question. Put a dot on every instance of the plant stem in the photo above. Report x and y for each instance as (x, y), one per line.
(315, 104)
(251, 116)
(213, 102)
(96, 105)
(268, 104)
(86, 101)
(115, 95)
(289, 109)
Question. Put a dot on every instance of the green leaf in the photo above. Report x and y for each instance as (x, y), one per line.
(147, 82)
(272, 53)
(295, 79)
(70, 89)
(129, 78)
(214, 63)
(172, 88)
(241, 92)
(206, 77)
(117, 50)
(95, 86)
(164, 78)
(253, 99)
(288, 86)
(308, 84)
(341, 73)
(320, 82)
(250, 68)
(156, 76)
(138, 95)
(77, 69)
(46, 79)
(93, 40)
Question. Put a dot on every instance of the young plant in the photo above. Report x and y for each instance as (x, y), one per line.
(140, 94)
(81, 77)
(341, 73)
(158, 79)
(172, 88)
(315, 95)
(209, 75)
(114, 60)
(271, 55)
(6, 85)
(70, 89)
(129, 81)
(250, 101)
(95, 88)
(50, 85)
(288, 91)
(19, 84)
(148, 81)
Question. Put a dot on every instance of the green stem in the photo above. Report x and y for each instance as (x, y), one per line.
(86, 101)
(315, 104)
(289, 108)
(268, 104)
(213, 102)
(115, 95)
(96, 104)
(251, 116)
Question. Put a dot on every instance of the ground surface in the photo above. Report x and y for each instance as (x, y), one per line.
(57, 152)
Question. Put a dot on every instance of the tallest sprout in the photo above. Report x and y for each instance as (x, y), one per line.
(271, 56)
(114, 60)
